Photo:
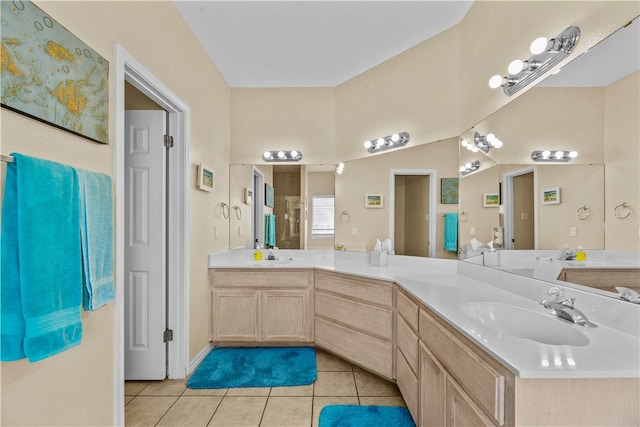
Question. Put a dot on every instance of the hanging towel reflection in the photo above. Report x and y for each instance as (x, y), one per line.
(451, 232)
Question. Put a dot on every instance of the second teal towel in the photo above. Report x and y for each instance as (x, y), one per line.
(41, 260)
(451, 232)
(270, 230)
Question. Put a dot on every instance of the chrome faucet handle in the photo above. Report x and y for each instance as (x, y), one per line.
(628, 294)
(557, 295)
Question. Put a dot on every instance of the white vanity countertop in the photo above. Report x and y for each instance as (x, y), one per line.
(453, 289)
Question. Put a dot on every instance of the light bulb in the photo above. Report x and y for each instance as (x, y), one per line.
(380, 142)
(281, 154)
(294, 154)
(490, 137)
(538, 46)
(395, 137)
(573, 154)
(546, 154)
(266, 155)
(464, 143)
(367, 144)
(515, 67)
(496, 143)
(495, 81)
(462, 169)
(559, 154)
(467, 165)
(474, 149)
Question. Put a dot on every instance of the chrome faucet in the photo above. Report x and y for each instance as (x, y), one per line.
(567, 255)
(563, 307)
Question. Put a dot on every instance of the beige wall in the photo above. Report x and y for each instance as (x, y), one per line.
(622, 155)
(371, 175)
(77, 386)
(479, 219)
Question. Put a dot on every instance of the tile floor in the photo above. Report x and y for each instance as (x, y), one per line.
(170, 403)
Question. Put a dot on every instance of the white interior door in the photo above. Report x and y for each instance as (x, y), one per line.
(145, 218)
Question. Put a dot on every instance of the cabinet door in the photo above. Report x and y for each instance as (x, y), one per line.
(432, 390)
(285, 315)
(461, 411)
(235, 315)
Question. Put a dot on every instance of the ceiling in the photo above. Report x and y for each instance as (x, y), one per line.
(311, 43)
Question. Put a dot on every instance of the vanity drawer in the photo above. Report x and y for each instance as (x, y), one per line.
(482, 383)
(367, 318)
(369, 290)
(280, 278)
(407, 309)
(407, 342)
(367, 351)
(408, 384)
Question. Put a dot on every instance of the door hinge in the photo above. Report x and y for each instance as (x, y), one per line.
(168, 335)
(168, 141)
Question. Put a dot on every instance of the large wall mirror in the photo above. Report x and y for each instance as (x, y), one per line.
(515, 202)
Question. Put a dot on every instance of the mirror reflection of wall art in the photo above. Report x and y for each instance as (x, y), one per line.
(490, 200)
(373, 201)
(268, 195)
(449, 191)
(50, 75)
(551, 196)
(205, 177)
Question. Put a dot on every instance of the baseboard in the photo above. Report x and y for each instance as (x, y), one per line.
(196, 361)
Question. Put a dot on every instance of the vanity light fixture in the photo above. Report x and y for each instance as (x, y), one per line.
(282, 156)
(486, 143)
(387, 142)
(553, 155)
(467, 168)
(340, 168)
(546, 55)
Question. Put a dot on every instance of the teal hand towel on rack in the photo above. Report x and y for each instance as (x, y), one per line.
(451, 232)
(41, 260)
(96, 231)
(270, 230)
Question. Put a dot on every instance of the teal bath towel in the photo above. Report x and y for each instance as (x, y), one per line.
(96, 231)
(270, 230)
(41, 260)
(451, 232)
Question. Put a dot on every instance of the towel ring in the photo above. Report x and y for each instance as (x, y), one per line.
(238, 212)
(619, 211)
(344, 216)
(225, 208)
(583, 213)
(464, 216)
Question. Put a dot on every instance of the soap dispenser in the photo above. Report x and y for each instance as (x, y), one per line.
(257, 254)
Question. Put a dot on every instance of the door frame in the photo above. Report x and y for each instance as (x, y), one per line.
(507, 205)
(127, 68)
(257, 227)
(433, 200)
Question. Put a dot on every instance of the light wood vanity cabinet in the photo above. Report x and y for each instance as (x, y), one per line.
(603, 278)
(354, 319)
(262, 306)
(407, 350)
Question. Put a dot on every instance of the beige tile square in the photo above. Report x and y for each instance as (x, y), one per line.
(147, 410)
(321, 402)
(205, 392)
(133, 388)
(372, 385)
(239, 411)
(164, 388)
(382, 401)
(328, 362)
(335, 384)
(249, 391)
(287, 412)
(303, 390)
(191, 411)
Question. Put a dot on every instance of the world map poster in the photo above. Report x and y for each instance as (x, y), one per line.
(51, 75)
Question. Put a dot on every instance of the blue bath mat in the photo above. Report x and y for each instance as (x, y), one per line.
(256, 367)
(365, 416)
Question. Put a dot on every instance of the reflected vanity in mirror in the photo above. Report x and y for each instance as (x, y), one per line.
(556, 205)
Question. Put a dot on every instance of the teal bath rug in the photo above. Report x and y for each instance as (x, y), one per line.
(365, 416)
(255, 367)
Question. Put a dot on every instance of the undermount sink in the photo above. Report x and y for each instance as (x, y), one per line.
(269, 262)
(523, 323)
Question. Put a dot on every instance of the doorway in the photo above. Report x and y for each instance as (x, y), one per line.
(426, 198)
(411, 228)
(258, 207)
(128, 69)
(519, 202)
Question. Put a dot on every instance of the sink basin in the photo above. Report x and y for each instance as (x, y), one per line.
(523, 323)
(270, 262)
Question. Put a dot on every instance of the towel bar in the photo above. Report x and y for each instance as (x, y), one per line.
(7, 159)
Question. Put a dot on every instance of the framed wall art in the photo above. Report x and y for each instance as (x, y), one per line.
(551, 196)
(51, 75)
(449, 191)
(205, 177)
(268, 195)
(490, 200)
(373, 201)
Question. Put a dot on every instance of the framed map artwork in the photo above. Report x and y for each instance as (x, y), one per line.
(449, 191)
(50, 75)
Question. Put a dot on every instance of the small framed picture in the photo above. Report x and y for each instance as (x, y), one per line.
(551, 196)
(490, 200)
(268, 195)
(205, 177)
(373, 201)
